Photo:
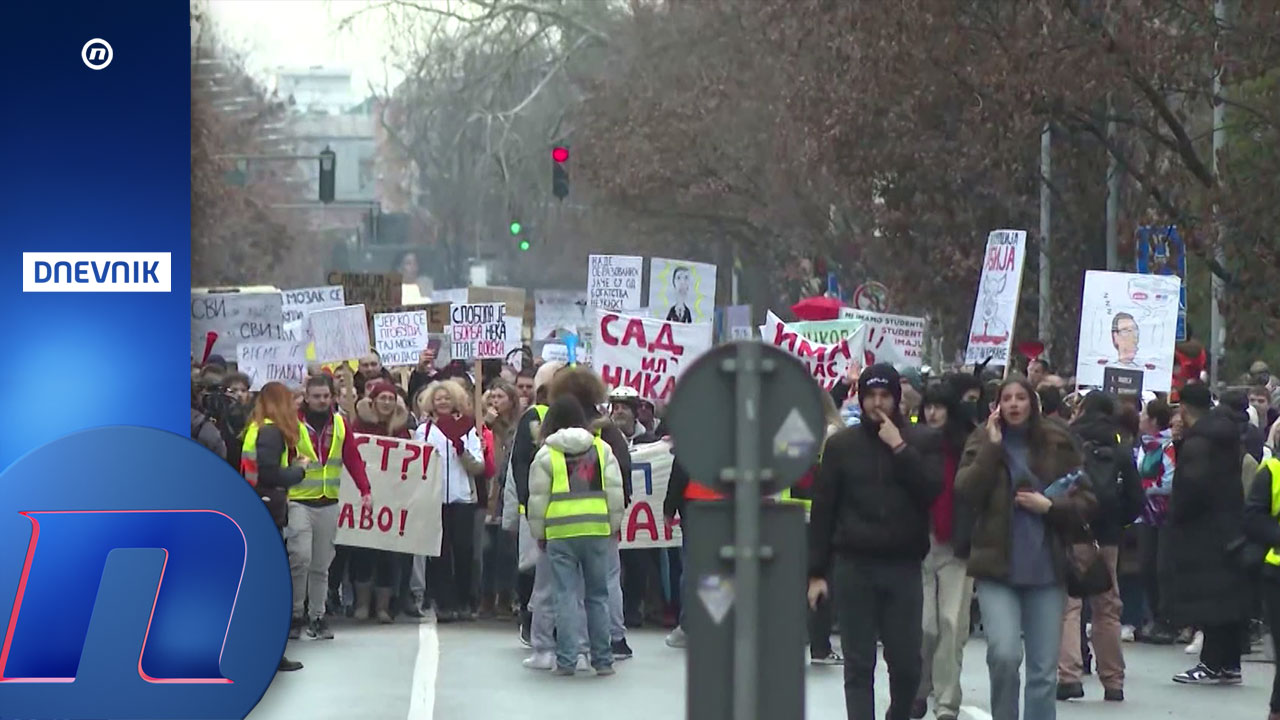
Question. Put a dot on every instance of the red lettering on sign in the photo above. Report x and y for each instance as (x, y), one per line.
(605, 333)
(346, 516)
(635, 524)
(386, 444)
(404, 519)
(385, 517)
(366, 518)
(666, 341)
(411, 452)
(634, 334)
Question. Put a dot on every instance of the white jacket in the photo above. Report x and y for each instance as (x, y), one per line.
(456, 483)
(571, 442)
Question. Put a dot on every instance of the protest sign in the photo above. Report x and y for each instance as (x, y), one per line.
(643, 525)
(303, 301)
(478, 331)
(515, 334)
(1128, 322)
(645, 354)
(236, 318)
(340, 333)
(555, 352)
(437, 316)
(377, 292)
(613, 282)
(682, 291)
(996, 309)
(895, 339)
(559, 310)
(400, 337)
(405, 478)
(827, 362)
(284, 362)
(1162, 252)
(825, 332)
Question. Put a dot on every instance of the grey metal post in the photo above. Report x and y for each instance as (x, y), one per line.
(1046, 208)
(1113, 196)
(746, 499)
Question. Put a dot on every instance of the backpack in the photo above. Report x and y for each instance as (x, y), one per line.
(1103, 469)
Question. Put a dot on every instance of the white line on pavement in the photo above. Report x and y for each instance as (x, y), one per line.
(974, 713)
(422, 703)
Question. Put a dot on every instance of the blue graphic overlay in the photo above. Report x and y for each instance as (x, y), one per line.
(1162, 252)
(141, 577)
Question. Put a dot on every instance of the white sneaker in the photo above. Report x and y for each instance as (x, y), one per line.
(677, 638)
(540, 661)
(1127, 633)
(1088, 630)
(1196, 645)
(584, 663)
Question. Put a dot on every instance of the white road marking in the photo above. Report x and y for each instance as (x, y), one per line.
(974, 713)
(422, 703)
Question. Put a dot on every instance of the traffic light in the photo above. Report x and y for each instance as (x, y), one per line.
(560, 171)
(516, 229)
(327, 161)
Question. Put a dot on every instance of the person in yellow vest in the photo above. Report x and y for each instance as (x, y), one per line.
(1262, 527)
(327, 444)
(575, 509)
(269, 459)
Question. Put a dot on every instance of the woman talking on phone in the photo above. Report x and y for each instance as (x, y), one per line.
(1019, 473)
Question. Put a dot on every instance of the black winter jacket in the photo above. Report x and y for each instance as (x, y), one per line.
(1206, 515)
(274, 481)
(1119, 504)
(869, 502)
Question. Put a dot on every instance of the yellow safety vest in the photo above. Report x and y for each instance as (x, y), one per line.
(1273, 466)
(785, 495)
(542, 415)
(321, 481)
(249, 453)
(581, 513)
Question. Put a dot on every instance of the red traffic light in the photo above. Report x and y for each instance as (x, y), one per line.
(560, 154)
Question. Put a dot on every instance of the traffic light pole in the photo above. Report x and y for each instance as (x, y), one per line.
(746, 550)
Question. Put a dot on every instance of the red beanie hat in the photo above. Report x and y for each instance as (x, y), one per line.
(381, 386)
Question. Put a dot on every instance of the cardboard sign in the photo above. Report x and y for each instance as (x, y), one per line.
(1128, 321)
(303, 301)
(645, 354)
(613, 282)
(895, 339)
(555, 310)
(340, 333)
(996, 309)
(437, 316)
(237, 318)
(643, 525)
(376, 292)
(827, 363)
(400, 337)
(681, 291)
(284, 362)
(405, 479)
(478, 331)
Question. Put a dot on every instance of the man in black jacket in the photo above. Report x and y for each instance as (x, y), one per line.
(1118, 487)
(870, 522)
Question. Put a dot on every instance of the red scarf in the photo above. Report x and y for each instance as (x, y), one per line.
(944, 506)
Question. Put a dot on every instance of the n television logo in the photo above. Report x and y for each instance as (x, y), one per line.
(133, 591)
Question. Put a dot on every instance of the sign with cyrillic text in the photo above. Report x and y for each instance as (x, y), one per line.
(478, 331)
(613, 282)
(236, 318)
(646, 354)
(400, 337)
(404, 477)
(378, 292)
(303, 301)
(643, 525)
(996, 310)
(340, 333)
(827, 363)
(284, 362)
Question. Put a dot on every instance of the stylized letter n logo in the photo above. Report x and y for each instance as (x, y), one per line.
(200, 555)
(98, 54)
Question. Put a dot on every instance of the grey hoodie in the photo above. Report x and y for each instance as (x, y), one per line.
(573, 442)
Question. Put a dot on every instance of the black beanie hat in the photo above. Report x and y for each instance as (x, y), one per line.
(882, 376)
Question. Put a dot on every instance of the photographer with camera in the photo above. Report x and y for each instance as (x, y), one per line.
(204, 429)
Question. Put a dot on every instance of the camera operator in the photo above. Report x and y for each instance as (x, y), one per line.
(204, 429)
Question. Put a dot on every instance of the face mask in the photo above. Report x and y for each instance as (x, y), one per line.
(972, 412)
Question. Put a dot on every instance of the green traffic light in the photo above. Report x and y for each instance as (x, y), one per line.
(515, 228)
(524, 244)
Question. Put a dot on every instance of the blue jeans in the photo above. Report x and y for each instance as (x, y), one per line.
(586, 558)
(1011, 617)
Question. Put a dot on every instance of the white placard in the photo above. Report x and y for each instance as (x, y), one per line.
(642, 523)
(400, 337)
(478, 331)
(555, 352)
(1128, 323)
(236, 318)
(682, 291)
(613, 282)
(827, 363)
(340, 333)
(284, 362)
(297, 304)
(645, 354)
(559, 310)
(895, 339)
(996, 310)
(404, 479)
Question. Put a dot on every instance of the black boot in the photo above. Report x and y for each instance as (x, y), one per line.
(287, 665)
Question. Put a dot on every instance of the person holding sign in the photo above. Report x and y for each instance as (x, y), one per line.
(453, 435)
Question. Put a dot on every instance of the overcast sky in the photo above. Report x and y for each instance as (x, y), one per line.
(301, 33)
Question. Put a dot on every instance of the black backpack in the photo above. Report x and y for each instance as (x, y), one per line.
(1101, 464)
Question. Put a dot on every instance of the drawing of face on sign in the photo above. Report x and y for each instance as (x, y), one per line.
(681, 292)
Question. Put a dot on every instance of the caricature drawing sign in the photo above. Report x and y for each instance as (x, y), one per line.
(682, 291)
(994, 314)
(1128, 325)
